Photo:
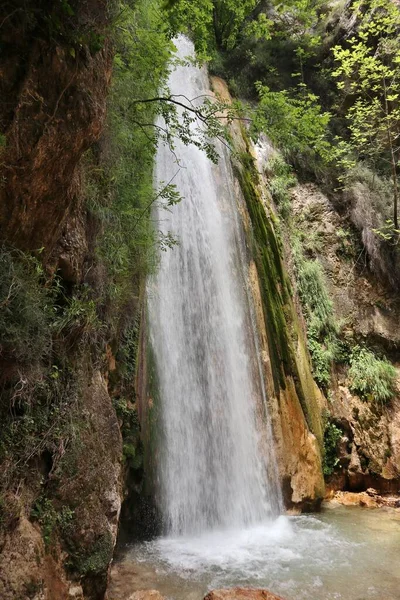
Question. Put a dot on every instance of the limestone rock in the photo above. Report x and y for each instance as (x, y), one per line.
(370, 449)
(354, 499)
(24, 565)
(75, 592)
(238, 593)
(146, 595)
(368, 499)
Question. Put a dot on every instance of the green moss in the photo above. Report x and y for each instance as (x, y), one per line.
(97, 557)
(286, 348)
(274, 287)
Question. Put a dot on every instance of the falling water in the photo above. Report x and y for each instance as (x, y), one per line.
(213, 471)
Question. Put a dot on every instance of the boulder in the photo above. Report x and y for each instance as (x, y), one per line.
(238, 593)
(146, 595)
(357, 499)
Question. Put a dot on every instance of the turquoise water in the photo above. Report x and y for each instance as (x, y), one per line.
(343, 553)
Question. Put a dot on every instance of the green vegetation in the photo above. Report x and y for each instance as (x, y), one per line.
(373, 378)
(322, 328)
(26, 308)
(368, 71)
(130, 429)
(96, 560)
(281, 180)
(330, 102)
(44, 512)
(213, 23)
(119, 179)
(294, 122)
(332, 435)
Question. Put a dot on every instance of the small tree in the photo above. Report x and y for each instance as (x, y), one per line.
(368, 70)
(296, 122)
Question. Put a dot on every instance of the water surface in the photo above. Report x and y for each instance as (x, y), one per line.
(344, 553)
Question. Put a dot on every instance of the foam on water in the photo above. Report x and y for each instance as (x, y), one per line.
(343, 554)
(258, 552)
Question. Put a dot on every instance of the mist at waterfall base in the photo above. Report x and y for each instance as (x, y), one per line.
(217, 477)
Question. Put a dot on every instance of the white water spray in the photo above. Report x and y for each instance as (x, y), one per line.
(212, 471)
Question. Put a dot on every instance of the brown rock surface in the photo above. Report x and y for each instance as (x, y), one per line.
(53, 87)
(53, 108)
(369, 499)
(297, 448)
(25, 566)
(238, 593)
(146, 595)
(369, 311)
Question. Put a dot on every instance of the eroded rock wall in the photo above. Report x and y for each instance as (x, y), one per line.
(55, 73)
(368, 313)
(59, 520)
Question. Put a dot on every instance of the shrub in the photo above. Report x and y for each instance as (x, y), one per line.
(322, 356)
(322, 328)
(314, 295)
(372, 378)
(332, 435)
(280, 182)
(26, 307)
(296, 123)
(78, 317)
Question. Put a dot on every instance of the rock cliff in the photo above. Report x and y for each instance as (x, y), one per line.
(61, 445)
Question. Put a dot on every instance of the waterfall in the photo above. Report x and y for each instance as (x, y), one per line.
(214, 470)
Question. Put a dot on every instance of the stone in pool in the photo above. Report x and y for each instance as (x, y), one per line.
(238, 593)
(146, 595)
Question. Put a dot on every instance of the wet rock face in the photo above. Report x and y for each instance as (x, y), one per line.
(54, 109)
(241, 594)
